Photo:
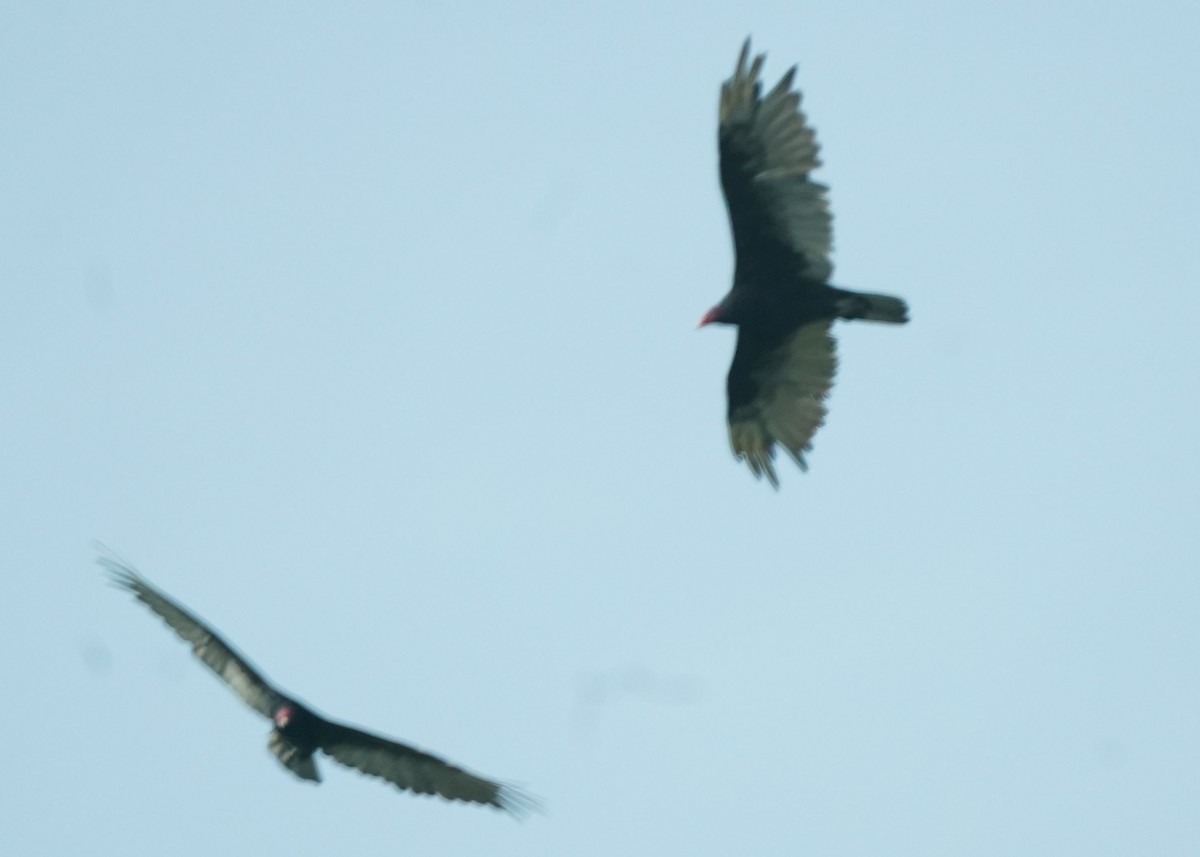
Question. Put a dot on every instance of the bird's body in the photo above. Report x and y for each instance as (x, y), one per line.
(781, 300)
(296, 738)
(299, 732)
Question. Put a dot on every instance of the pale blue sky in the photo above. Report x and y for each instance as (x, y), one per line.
(367, 332)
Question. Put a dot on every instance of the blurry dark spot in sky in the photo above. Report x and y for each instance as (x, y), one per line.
(553, 207)
(98, 288)
(1111, 753)
(596, 691)
(96, 657)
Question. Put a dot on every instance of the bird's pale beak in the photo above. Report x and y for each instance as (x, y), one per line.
(708, 318)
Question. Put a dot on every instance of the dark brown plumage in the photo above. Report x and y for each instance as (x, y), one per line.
(299, 731)
(781, 299)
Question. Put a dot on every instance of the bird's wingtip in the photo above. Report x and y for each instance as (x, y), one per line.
(518, 802)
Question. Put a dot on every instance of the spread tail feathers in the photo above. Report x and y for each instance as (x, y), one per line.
(301, 764)
(871, 307)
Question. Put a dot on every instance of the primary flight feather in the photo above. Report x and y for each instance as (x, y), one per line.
(781, 299)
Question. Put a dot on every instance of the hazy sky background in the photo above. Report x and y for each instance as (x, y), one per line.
(366, 330)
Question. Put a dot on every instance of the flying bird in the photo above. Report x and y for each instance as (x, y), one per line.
(299, 731)
(781, 299)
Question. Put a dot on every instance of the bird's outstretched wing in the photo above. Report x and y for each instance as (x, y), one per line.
(777, 395)
(412, 770)
(767, 153)
(220, 657)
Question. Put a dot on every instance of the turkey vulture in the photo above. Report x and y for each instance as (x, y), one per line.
(781, 299)
(299, 731)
